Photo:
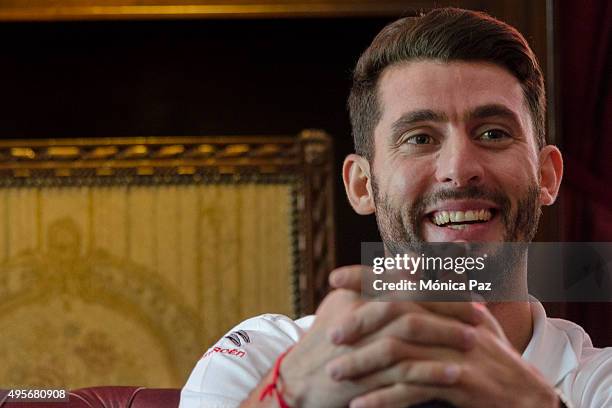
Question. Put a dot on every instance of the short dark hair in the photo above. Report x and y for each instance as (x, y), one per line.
(446, 34)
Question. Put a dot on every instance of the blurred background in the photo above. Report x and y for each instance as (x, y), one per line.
(85, 69)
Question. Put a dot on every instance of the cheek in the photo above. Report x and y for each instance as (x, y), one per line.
(514, 177)
(524, 172)
(405, 183)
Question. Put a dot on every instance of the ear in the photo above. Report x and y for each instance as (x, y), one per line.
(551, 172)
(356, 176)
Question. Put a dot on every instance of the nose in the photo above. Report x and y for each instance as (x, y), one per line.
(459, 162)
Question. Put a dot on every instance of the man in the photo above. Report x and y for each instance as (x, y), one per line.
(447, 112)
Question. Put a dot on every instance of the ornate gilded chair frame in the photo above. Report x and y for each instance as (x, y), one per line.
(304, 161)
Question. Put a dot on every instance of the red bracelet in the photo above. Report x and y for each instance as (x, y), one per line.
(272, 388)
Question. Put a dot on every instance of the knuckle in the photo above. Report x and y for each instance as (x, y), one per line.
(437, 374)
(344, 297)
(347, 365)
(355, 324)
(385, 308)
(344, 294)
(332, 297)
(463, 341)
(375, 400)
(464, 311)
(391, 350)
(471, 312)
(406, 370)
(405, 332)
(413, 323)
(458, 335)
(431, 374)
(338, 300)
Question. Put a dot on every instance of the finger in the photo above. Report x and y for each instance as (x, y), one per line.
(382, 354)
(489, 321)
(424, 372)
(401, 395)
(468, 312)
(369, 318)
(421, 372)
(432, 330)
(348, 277)
(474, 313)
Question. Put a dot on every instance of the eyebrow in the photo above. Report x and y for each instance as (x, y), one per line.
(491, 110)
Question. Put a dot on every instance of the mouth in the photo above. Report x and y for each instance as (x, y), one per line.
(461, 219)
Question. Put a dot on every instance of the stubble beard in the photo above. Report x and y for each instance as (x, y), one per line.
(400, 230)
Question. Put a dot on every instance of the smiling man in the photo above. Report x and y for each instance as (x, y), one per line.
(448, 113)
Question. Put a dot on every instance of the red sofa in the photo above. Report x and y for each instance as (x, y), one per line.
(107, 397)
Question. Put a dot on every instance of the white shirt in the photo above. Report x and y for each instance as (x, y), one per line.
(228, 371)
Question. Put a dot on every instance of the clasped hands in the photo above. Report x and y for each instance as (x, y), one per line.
(396, 354)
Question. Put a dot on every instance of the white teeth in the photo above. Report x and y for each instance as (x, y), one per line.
(458, 227)
(444, 217)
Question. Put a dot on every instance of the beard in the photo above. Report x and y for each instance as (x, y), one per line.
(400, 227)
(400, 230)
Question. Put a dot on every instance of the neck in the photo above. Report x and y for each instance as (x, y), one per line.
(515, 316)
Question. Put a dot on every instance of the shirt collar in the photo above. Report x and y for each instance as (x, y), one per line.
(550, 349)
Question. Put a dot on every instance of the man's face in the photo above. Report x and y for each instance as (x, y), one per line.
(455, 155)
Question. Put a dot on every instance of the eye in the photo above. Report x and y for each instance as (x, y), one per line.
(494, 135)
(419, 139)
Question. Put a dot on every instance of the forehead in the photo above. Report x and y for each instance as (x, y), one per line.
(454, 88)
